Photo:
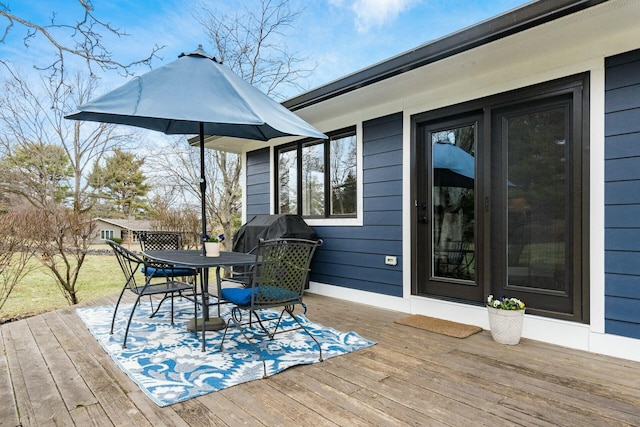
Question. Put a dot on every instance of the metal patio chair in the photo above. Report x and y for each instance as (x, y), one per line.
(238, 277)
(166, 241)
(279, 277)
(166, 285)
(160, 240)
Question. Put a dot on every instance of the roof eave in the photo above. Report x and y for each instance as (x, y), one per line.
(512, 22)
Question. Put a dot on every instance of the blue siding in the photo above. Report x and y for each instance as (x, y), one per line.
(382, 203)
(620, 285)
(257, 185)
(353, 257)
(622, 192)
(623, 239)
(623, 262)
(622, 195)
(621, 146)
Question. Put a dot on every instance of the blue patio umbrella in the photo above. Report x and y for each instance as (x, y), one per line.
(452, 166)
(196, 94)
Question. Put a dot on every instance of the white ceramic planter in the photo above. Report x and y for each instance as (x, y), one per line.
(212, 248)
(506, 325)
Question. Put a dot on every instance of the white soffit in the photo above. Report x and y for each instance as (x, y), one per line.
(603, 30)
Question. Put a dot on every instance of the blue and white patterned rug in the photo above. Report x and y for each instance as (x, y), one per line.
(167, 363)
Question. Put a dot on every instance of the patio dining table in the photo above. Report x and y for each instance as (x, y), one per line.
(197, 260)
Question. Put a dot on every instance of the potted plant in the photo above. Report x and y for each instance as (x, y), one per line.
(212, 245)
(506, 316)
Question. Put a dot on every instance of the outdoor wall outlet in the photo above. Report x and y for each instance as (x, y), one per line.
(390, 260)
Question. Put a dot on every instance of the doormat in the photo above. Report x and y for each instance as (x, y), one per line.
(439, 326)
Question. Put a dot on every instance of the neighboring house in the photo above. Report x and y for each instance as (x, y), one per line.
(125, 229)
(544, 101)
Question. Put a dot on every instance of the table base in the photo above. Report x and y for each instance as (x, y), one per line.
(212, 324)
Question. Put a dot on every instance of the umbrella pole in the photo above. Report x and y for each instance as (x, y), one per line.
(208, 323)
(203, 189)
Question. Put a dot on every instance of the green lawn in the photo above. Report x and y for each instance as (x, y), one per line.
(38, 292)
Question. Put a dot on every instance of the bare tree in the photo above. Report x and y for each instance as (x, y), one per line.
(252, 43)
(16, 249)
(82, 38)
(222, 198)
(31, 118)
(184, 219)
(34, 114)
(62, 237)
(228, 192)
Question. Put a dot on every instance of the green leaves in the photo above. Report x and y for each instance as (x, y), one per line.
(121, 182)
(505, 303)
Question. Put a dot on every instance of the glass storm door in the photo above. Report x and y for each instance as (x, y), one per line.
(447, 209)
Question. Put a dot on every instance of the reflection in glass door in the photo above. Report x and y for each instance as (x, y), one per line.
(452, 203)
(447, 209)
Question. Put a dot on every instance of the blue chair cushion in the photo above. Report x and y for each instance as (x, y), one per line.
(168, 272)
(238, 296)
(242, 296)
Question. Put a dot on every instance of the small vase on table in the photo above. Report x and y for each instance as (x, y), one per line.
(212, 248)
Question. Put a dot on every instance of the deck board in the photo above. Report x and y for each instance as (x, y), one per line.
(45, 402)
(53, 372)
(8, 413)
(73, 390)
(309, 392)
(227, 410)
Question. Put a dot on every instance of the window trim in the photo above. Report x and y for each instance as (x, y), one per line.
(106, 234)
(297, 146)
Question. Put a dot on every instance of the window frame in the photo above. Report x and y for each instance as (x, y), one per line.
(298, 146)
(106, 234)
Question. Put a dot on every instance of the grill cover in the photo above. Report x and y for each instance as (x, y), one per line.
(271, 227)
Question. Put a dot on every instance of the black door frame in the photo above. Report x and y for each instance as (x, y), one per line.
(578, 87)
(443, 287)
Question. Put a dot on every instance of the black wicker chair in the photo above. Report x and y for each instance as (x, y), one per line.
(165, 241)
(160, 240)
(279, 278)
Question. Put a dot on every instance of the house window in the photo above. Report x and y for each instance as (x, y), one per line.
(288, 181)
(106, 234)
(318, 178)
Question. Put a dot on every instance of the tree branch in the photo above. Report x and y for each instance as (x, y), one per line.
(82, 39)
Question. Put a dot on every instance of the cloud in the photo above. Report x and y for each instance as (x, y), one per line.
(375, 13)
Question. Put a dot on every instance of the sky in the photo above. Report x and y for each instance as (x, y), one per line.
(335, 37)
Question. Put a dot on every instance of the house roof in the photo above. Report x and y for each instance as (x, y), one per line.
(512, 22)
(128, 224)
(530, 15)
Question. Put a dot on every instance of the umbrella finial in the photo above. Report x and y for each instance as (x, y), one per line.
(199, 52)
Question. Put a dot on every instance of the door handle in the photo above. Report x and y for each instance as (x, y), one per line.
(423, 219)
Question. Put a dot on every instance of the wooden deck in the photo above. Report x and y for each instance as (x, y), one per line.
(52, 372)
